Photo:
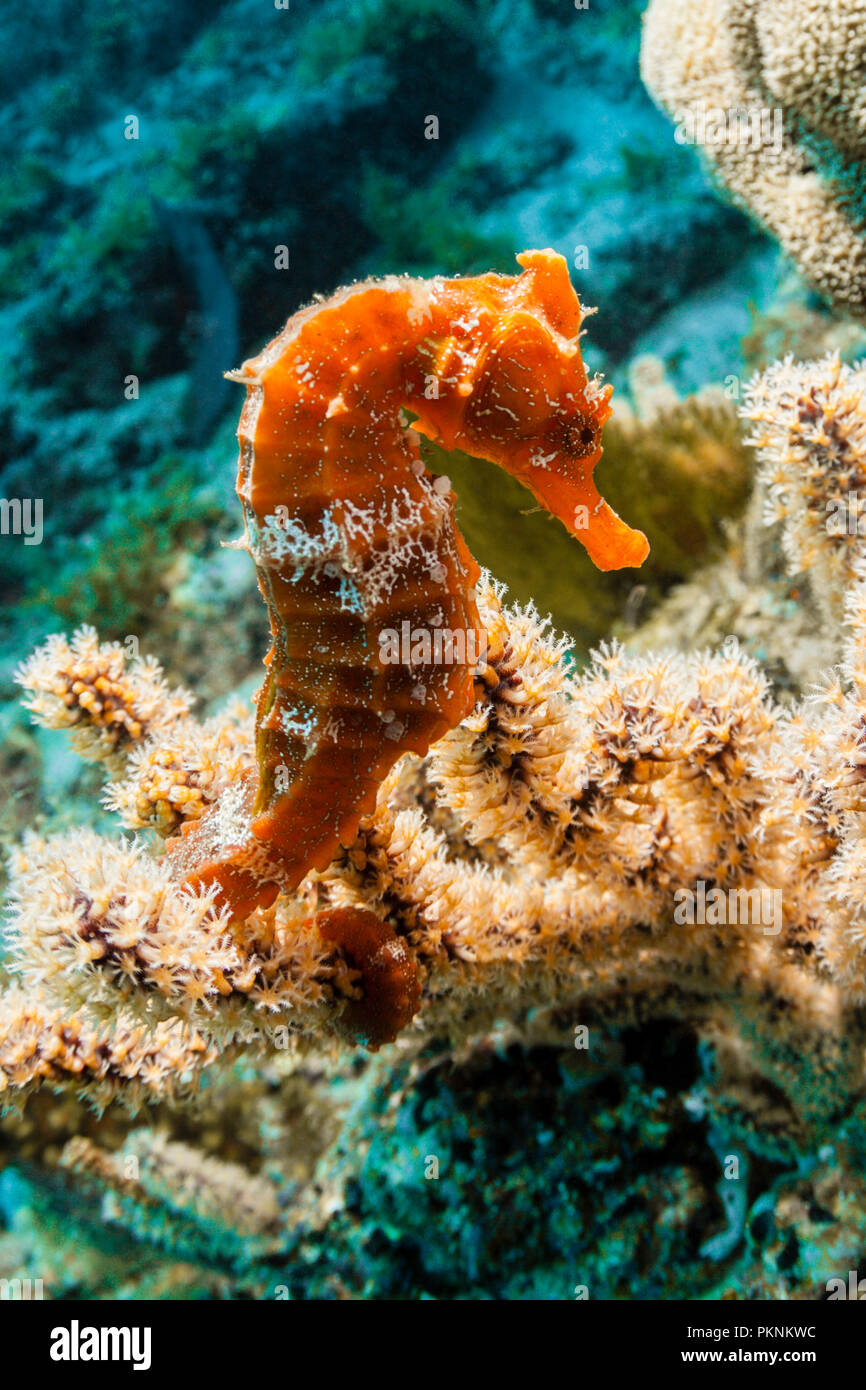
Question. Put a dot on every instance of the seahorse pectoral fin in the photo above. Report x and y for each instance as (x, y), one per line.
(425, 428)
(444, 427)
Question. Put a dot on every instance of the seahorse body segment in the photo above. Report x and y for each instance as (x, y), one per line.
(355, 543)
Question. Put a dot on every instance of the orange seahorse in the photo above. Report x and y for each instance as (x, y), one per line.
(353, 538)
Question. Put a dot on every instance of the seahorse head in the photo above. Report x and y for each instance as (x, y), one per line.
(515, 391)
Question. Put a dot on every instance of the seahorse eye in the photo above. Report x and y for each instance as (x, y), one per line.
(578, 437)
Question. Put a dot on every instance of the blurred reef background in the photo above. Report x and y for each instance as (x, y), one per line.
(179, 179)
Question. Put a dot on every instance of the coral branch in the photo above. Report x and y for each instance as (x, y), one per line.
(39, 1043)
(107, 703)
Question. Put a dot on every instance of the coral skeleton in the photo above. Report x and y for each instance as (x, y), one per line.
(178, 1197)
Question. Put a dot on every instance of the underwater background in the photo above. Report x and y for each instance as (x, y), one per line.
(179, 180)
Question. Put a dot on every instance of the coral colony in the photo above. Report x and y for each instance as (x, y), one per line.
(366, 538)
(712, 63)
(524, 844)
(309, 934)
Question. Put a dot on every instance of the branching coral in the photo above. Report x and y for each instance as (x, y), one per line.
(724, 63)
(41, 1043)
(107, 703)
(535, 867)
(178, 1198)
(172, 779)
(809, 428)
(123, 934)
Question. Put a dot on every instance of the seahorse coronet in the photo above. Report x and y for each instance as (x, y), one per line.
(352, 538)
